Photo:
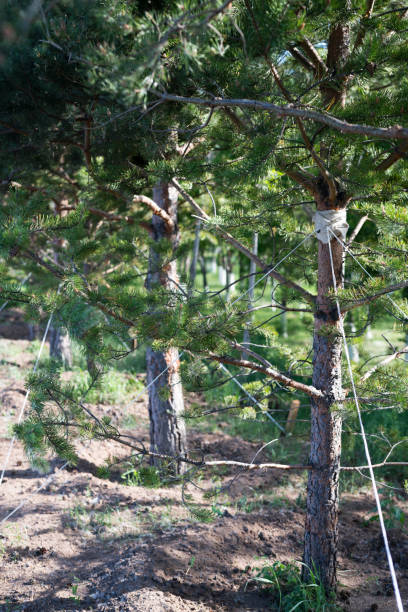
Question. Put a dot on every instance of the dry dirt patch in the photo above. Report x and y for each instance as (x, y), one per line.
(93, 544)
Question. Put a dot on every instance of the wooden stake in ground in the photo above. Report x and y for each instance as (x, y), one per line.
(292, 416)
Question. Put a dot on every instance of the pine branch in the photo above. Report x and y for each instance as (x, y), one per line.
(370, 298)
(115, 217)
(401, 9)
(50, 267)
(237, 121)
(318, 63)
(329, 179)
(251, 466)
(389, 133)
(276, 305)
(398, 153)
(362, 31)
(301, 178)
(156, 210)
(302, 59)
(384, 362)
(319, 163)
(357, 230)
(243, 249)
(257, 466)
(83, 294)
(271, 373)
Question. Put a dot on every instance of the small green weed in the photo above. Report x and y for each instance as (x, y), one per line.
(190, 564)
(34, 346)
(113, 388)
(248, 506)
(393, 515)
(103, 471)
(199, 512)
(94, 521)
(146, 476)
(290, 593)
(130, 421)
(74, 588)
(257, 502)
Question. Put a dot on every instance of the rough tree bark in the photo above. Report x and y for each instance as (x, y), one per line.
(166, 405)
(321, 531)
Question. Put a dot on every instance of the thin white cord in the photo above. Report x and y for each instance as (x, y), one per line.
(27, 499)
(347, 249)
(25, 400)
(364, 437)
(272, 269)
(251, 397)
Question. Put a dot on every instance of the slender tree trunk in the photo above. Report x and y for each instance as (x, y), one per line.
(32, 331)
(59, 340)
(203, 271)
(214, 262)
(251, 289)
(60, 346)
(321, 531)
(166, 405)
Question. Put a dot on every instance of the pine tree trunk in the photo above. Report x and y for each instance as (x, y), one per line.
(321, 531)
(60, 346)
(32, 331)
(60, 343)
(166, 405)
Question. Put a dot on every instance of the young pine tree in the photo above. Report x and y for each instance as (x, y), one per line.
(316, 92)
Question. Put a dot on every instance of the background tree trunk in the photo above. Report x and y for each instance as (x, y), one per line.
(193, 266)
(251, 290)
(60, 346)
(321, 531)
(203, 271)
(166, 404)
(59, 340)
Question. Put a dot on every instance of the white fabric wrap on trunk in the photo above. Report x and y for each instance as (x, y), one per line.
(334, 220)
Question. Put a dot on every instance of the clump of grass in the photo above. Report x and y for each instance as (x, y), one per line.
(144, 476)
(289, 593)
(113, 388)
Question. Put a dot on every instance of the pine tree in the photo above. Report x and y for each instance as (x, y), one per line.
(313, 91)
(291, 107)
(75, 170)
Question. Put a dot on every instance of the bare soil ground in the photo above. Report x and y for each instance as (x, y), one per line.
(88, 543)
